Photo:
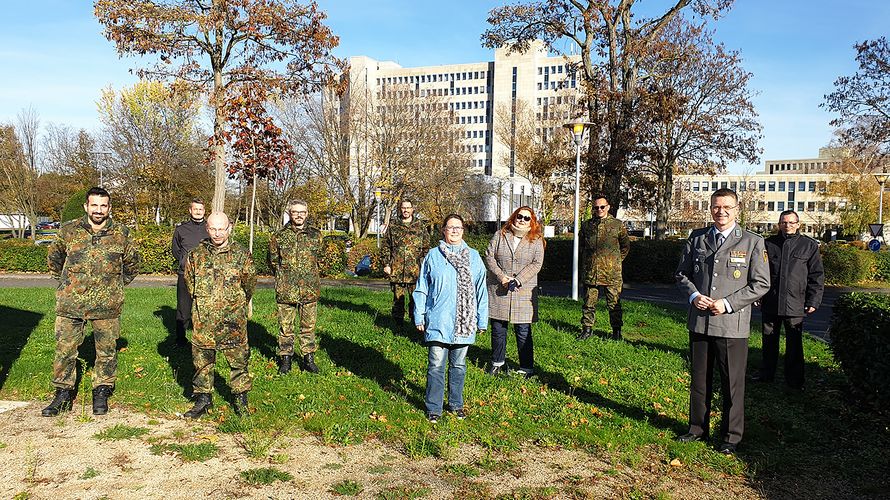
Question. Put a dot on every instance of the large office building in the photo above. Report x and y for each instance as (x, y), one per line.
(472, 93)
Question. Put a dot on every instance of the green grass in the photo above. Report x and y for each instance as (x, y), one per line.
(120, 431)
(190, 452)
(347, 487)
(89, 473)
(265, 475)
(622, 400)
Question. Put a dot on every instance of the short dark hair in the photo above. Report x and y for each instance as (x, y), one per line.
(725, 192)
(197, 201)
(789, 212)
(452, 216)
(406, 200)
(96, 191)
(597, 196)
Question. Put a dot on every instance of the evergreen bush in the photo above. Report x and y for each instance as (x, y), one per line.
(860, 341)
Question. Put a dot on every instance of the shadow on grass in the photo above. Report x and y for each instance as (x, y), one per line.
(17, 328)
(369, 363)
(382, 319)
(179, 356)
(260, 339)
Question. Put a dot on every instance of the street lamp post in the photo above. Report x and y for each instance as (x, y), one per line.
(577, 129)
(98, 155)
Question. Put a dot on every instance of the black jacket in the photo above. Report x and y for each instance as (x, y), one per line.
(186, 236)
(796, 276)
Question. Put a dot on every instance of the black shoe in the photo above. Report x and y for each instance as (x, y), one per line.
(433, 418)
(100, 399)
(586, 333)
(690, 438)
(61, 402)
(284, 363)
(241, 408)
(616, 334)
(459, 413)
(726, 449)
(203, 402)
(308, 363)
(498, 370)
(761, 378)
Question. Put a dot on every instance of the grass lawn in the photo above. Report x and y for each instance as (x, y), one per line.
(624, 400)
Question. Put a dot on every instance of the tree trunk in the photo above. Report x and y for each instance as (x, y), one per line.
(663, 201)
(219, 150)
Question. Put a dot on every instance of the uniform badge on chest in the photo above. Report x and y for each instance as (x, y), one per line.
(736, 274)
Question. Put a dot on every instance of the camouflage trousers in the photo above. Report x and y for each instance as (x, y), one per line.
(287, 315)
(612, 294)
(399, 291)
(70, 333)
(205, 363)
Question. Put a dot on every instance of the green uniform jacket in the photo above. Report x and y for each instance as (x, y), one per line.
(293, 258)
(404, 248)
(92, 269)
(604, 245)
(221, 282)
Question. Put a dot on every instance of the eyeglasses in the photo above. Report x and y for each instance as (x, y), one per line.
(789, 222)
(454, 229)
(601, 207)
(725, 208)
(299, 212)
(526, 218)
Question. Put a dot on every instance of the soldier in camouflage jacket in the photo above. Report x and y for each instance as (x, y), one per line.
(293, 257)
(92, 259)
(220, 277)
(604, 245)
(405, 243)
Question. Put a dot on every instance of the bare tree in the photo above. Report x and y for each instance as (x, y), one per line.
(18, 179)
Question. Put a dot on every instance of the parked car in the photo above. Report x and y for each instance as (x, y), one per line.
(48, 225)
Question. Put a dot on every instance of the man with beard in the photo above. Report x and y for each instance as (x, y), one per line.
(404, 245)
(186, 236)
(92, 259)
(293, 257)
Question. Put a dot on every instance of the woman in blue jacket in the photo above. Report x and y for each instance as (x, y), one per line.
(451, 305)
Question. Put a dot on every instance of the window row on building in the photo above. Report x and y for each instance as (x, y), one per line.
(437, 77)
(761, 186)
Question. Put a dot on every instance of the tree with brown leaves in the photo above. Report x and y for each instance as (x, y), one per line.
(281, 45)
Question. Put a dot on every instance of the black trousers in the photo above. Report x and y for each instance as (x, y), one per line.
(794, 364)
(183, 307)
(731, 357)
(524, 343)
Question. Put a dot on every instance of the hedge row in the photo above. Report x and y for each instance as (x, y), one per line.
(648, 261)
(860, 340)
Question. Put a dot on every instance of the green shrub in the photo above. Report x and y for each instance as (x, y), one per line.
(653, 261)
(860, 341)
(154, 250)
(882, 266)
(73, 208)
(20, 256)
(241, 234)
(846, 264)
(332, 261)
(362, 247)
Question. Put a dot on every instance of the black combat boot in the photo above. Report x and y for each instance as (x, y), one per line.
(616, 334)
(100, 399)
(203, 402)
(308, 364)
(61, 402)
(241, 404)
(284, 363)
(586, 333)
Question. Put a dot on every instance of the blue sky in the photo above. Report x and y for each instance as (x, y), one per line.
(55, 59)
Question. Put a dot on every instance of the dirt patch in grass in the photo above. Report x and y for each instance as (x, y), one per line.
(59, 457)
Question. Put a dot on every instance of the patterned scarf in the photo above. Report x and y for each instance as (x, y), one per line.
(465, 323)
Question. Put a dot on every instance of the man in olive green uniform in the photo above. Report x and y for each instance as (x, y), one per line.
(92, 259)
(220, 277)
(293, 258)
(404, 245)
(604, 245)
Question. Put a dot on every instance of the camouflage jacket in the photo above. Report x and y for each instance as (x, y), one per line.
(604, 245)
(404, 246)
(293, 258)
(221, 282)
(92, 269)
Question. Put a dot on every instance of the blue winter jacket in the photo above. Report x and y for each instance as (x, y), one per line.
(435, 296)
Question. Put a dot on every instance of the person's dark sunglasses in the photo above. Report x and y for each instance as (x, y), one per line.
(526, 218)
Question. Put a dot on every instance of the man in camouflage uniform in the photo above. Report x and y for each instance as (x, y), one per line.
(220, 277)
(293, 258)
(404, 245)
(604, 245)
(92, 259)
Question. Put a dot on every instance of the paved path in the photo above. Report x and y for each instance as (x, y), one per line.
(816, 324)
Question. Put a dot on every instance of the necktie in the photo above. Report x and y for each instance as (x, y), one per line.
(720, 239)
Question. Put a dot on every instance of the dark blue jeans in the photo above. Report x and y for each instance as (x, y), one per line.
(524, 343)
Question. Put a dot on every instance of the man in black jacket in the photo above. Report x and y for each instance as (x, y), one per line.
(797, 282)
(186, 236)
